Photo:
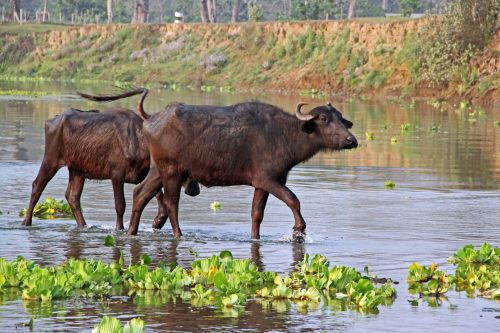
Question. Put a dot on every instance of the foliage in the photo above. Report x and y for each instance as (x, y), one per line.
(50, 209)
(389, 184)
(449, 43)
(30, 93)
(407, 7)
(220, 281)
(113, 325)
(254, 12)
(475, 271)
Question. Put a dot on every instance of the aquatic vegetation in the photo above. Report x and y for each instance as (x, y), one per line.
(215, 205)
(394, 140)
(463, 105)
(369, 136)
(405, 127)
(497, 123)
(28, 93)
(113, 325)
(50, 209)
(389, 184)
(476, 271)
(220, 281)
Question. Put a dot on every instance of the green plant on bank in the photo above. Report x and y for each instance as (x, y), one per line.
(476, 271)
(113, 325)
(50, 209)
(448, 43)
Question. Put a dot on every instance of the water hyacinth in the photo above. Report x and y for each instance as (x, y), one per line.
(476, 271)
(50, 209)
(220, 281)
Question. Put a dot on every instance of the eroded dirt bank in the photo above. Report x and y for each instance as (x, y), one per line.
(325, 57)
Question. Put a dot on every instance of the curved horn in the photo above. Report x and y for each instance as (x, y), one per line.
(329, 104)
(300, 115)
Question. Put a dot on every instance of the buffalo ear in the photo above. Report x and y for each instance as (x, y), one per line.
(308, 126)
(348, 124)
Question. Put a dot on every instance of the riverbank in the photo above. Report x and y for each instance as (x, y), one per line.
(317, 58)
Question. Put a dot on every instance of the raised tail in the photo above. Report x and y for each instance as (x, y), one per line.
(104, 98)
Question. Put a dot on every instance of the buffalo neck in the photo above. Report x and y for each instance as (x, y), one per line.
(301, 146)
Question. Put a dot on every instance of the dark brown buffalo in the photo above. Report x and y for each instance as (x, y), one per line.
(97, 145)
(252, 144)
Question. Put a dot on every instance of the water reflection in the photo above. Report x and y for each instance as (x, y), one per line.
(446, 169)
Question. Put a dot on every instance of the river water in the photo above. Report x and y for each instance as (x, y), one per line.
(446, 168)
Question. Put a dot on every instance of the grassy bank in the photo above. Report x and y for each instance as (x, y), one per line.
(312, 58)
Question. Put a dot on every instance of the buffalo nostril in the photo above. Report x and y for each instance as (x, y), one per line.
(351, 141)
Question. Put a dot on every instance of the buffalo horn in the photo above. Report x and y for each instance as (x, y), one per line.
(300, 115)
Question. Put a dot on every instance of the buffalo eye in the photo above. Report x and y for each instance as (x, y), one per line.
(323, 118)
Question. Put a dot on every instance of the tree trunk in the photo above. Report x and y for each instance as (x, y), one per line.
(110, 11)
(203, 11)
(141, 10)
(384, 5)
(236, 10)
(350, 12)
(212, 17)
(14, 10)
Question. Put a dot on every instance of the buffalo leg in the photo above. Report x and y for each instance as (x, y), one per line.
(73, 195)
(143, 193)
(119, 202)
(258, 205)
(283, 193)
(45, 174)
(172, 186)
(162, 216)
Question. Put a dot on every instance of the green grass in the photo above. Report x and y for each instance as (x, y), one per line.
(28, 28)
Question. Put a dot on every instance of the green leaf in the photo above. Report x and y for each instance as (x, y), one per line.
(109, 241)
(145, 259)
(108, 325)
(226, 256)
(136, 325)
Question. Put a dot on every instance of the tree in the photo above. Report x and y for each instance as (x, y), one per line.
(350, 12)
(212, 13)
(407, 7)
(110, 11)
(141, 11)
(203, 11)
(235, 11)
(14, 9)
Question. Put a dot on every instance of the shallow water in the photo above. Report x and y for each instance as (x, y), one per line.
(447, 174)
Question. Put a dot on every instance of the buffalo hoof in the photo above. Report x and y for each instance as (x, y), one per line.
(159, 222)
(298, 237)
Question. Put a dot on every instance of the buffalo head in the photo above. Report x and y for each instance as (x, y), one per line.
(327, 126)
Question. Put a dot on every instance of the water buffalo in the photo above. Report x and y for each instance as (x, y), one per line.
(250, 143)
(97, 145)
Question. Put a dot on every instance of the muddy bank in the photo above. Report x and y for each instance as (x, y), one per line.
(312, 58)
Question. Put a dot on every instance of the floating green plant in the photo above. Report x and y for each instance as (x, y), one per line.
(389, 184)
(394, 140)
(215, 205)
(50, 209)
(113, 325)
(497, 123)
(369, 136)
(24, 93)
(220, 281)
(405, 127)
(476, 272)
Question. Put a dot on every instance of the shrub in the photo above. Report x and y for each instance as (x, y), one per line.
(449, 41)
